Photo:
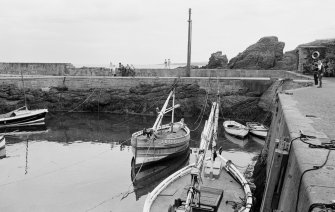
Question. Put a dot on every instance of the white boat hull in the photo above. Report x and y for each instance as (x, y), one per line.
(235, 129)
(257, 129)
(22, 118)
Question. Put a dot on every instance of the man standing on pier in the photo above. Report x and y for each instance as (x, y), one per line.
(321, 71)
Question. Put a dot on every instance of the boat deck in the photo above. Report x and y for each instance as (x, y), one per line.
(232, 192)
(167, 134)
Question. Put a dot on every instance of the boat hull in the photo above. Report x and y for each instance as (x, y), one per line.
(150, 150)
(259, 134)
(257, 129)
(235, 129)
(32, 118)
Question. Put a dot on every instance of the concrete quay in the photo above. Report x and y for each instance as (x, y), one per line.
(309, 176)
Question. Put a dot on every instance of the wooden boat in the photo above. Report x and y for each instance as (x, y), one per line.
(212, 184)
(257, 129)
(2, 146)
(23, 117)
(236, 129)
(146, 179)
(161, 142)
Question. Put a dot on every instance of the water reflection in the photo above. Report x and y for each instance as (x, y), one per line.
(81, 160)
(147, 178)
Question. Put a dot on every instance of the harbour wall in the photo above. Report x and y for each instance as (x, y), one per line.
(67, 69)
(226, 85)
(299, 177)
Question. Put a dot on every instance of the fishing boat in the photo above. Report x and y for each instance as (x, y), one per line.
(2, 146)
(23, 117)
(257, 129)
(208, 184)
(236, 129)
(160, 142)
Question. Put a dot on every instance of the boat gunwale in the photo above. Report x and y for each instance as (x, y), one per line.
(165, 126)
(30, 113)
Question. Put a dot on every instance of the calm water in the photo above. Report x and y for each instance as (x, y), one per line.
(77, 164)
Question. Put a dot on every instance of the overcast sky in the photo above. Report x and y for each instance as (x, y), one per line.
(149, 31)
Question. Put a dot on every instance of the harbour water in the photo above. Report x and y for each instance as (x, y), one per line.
(82, 162)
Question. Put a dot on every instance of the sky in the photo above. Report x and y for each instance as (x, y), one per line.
(150, 31)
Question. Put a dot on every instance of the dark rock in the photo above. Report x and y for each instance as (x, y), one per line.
(288, 62)
(217, 60)
(262, 55)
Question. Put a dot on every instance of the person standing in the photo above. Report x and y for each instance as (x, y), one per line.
(169, 63)
(315, 73)
(321, 71)
(165, 64)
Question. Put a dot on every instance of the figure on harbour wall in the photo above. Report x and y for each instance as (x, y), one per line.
(321, 71)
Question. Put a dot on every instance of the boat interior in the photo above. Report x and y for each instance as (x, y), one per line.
(220, 192)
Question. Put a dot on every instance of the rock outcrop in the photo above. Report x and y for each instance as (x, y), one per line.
(217, 60)
(288, 62)
(262, 55)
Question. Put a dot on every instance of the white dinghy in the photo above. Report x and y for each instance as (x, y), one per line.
(235, 129)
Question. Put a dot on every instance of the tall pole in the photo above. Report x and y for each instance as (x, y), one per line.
(188, 68)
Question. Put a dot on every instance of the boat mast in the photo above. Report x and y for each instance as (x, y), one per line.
(172, 118)
(188, 67)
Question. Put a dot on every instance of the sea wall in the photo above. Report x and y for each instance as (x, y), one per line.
(52, 69)
(226, 85)
(305, 175)
(219, 73)
(67, 69)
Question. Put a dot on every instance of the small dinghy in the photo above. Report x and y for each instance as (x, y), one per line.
(257, 129)
(236, 129)
(2, 146)
(208, 184)
(161, 142)
(23, 117)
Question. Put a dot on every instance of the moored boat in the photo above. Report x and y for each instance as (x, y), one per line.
(236, 129)
(23, 117)
(2, 146)
(161, 142)
(212, 184)
(257, 129)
